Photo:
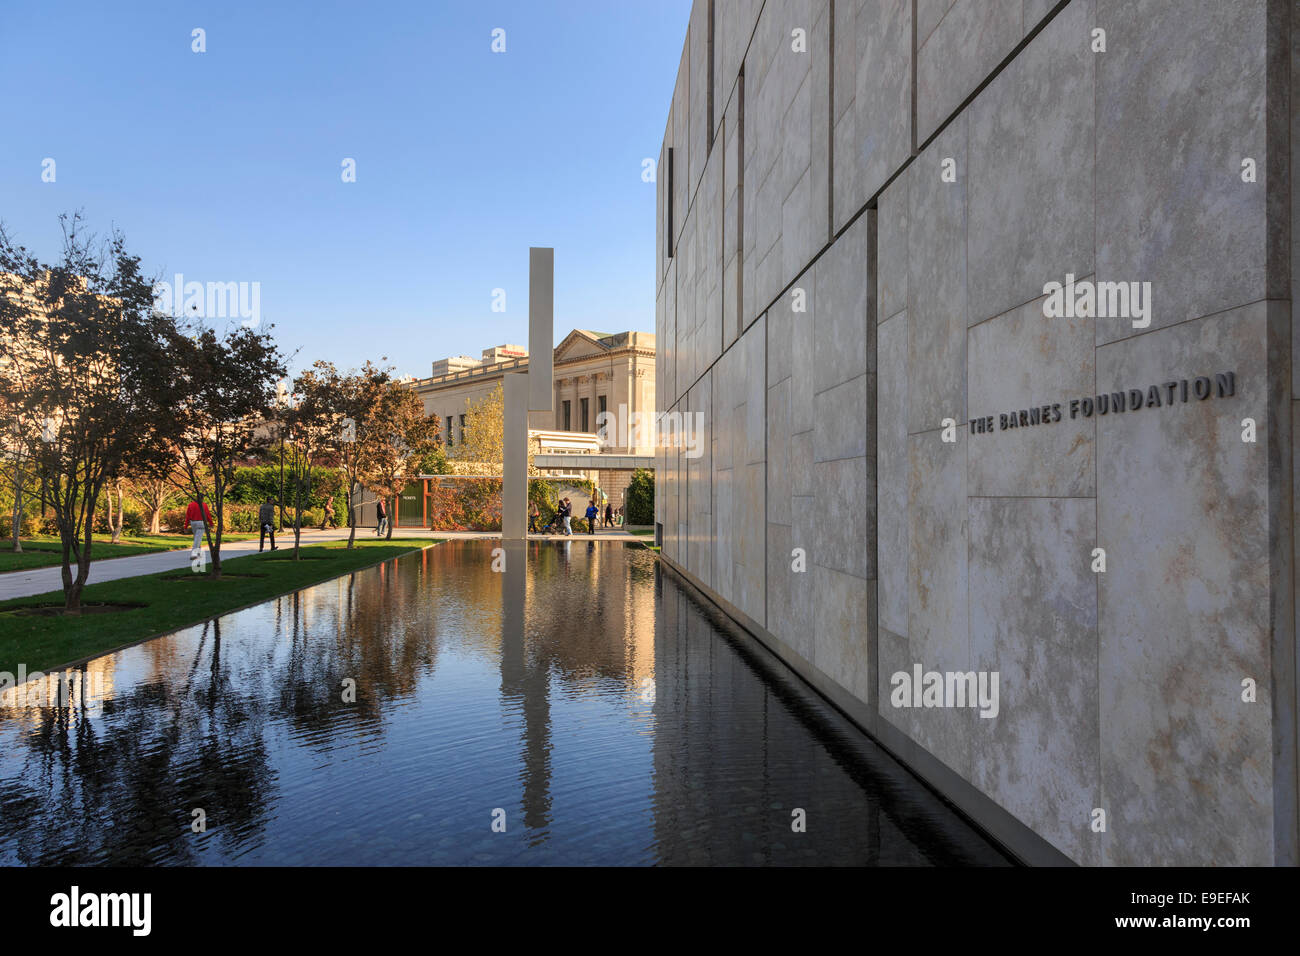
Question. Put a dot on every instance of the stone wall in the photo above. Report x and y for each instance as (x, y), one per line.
(865, 205)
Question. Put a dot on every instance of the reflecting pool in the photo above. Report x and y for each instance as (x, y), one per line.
(433, 710)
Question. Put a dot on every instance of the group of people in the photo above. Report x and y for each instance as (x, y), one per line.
(564, 516)
(198, 517)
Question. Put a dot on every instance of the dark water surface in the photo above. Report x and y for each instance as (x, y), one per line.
(593, 706)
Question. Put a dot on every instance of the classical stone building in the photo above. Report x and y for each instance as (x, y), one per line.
(594, 372)
(943, 439)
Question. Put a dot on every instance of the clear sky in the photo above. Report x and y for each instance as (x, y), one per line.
(226, 165)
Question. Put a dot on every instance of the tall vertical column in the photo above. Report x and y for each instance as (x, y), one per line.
(514, 491)
(528, 391)
(541, 328)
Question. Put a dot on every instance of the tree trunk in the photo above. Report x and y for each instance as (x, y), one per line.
(115, 524)
(83, 568)
(18, 507)
(214, 545)
(73, 586)
(301, 493)
(392, 517)
(352, 514)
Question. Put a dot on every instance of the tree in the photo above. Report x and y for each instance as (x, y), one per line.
(640, 498)
(116, 514)
(88, 372)
(224, 389)
(483, 437)
(355, 399)
(16, 467)
(157, 493)
(311, 421)
(405, 442)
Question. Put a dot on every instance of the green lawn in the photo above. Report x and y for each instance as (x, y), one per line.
(643, 531)
(45, 551)
(43, 642)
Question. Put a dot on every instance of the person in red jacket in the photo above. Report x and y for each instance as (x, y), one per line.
(198, 517)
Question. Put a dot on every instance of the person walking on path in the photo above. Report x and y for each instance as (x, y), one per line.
(592, 512)
(533, 514)
(329, 514)
(381, 511)
(266, 522)
(609, 516)
(198, 517)
(566, 513)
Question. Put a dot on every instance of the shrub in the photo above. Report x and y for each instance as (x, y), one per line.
(254, 484)
(30, 526)
(236, 519)
(466, 504)
(172, 519)
(640, 500)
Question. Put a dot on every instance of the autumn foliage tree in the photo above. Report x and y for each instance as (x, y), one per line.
(311, 420)
(224, 389)
(402, 438)
(87, 373)
(355, 400)
(482, 446)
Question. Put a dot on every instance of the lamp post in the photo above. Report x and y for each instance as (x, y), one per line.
(281, 401)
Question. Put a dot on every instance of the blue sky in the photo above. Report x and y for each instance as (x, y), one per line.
(226, 165)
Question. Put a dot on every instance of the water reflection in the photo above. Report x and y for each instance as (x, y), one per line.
(580, 696)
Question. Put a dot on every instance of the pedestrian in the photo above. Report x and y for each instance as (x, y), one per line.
(566, 513)
(198, 517)
(329, 514)
(266, 520)
(609, 515)
(592, 512)
(381, 511)
(533, 514)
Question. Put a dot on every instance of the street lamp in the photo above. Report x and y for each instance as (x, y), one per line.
(281, 402)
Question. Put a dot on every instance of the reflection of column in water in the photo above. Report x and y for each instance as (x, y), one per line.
(528, 683)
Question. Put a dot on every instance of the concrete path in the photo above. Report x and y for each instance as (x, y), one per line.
(42, 580)
(14, 584)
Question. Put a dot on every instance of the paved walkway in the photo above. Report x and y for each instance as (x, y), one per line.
(14, 584)
(42, 580)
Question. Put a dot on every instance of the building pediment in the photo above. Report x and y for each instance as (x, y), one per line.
(579, 344)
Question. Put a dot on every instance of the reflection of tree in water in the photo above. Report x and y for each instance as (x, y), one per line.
(367, 631)
(120, 789)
